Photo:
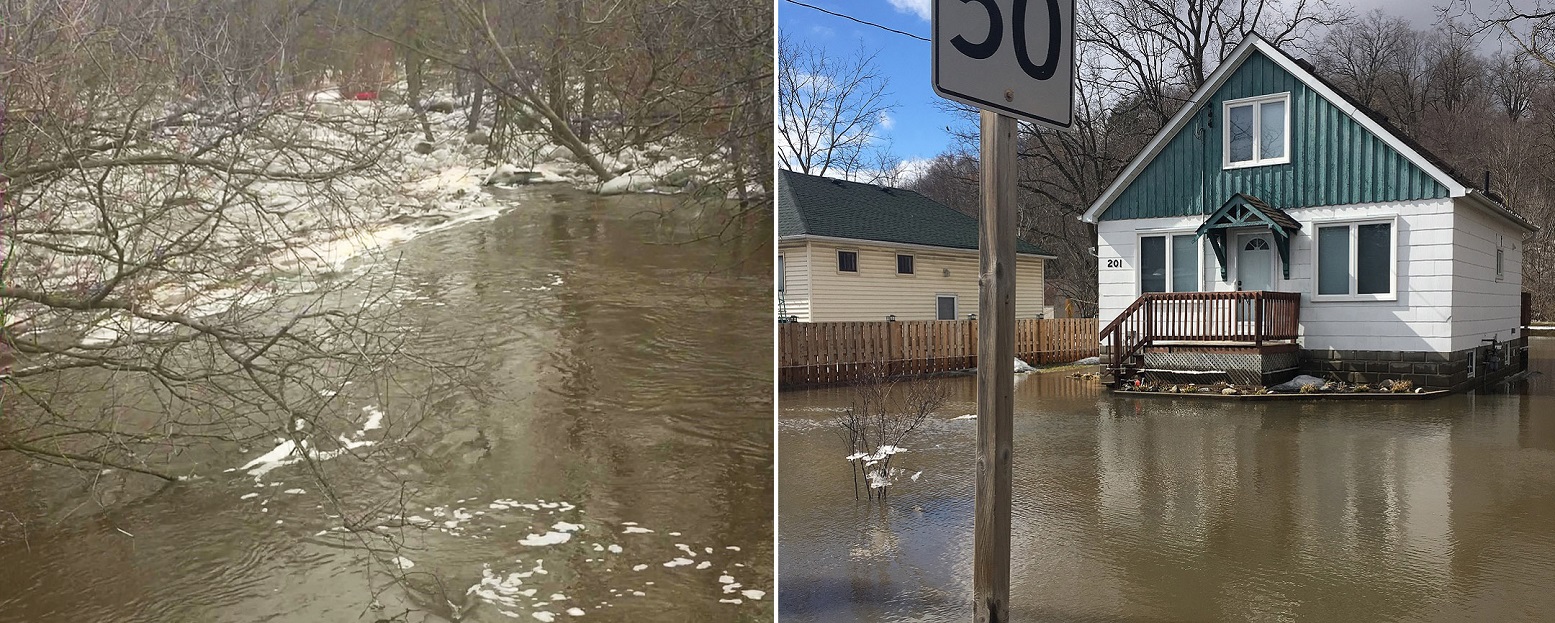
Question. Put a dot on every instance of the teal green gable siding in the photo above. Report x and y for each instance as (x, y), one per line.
(1335, 161)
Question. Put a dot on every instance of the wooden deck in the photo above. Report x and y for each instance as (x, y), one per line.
(1198, 320)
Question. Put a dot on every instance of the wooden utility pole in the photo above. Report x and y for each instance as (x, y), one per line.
(995, 371)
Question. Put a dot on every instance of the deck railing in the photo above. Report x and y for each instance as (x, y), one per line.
(1156, 317)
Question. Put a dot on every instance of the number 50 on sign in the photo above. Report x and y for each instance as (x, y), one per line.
(1014, 57)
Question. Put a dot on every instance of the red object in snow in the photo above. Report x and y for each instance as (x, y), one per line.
(365, 95)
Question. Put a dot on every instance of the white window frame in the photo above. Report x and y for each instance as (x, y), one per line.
(1354, 225)
(857, 259)
(954, 301)
(1500, 264)
(1225, 135)
(1139, 258)
(899, 272)
(782, 279)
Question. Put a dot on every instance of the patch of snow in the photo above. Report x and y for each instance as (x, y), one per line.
(374, 419)
(549, 538)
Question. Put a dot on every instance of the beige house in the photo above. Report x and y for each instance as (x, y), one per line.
(849, 251)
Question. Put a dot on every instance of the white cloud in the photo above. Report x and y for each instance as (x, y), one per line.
(902, 174)
(886, 121)
(917, 7)
(908, 171)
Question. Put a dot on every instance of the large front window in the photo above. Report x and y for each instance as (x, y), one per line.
(1168, 263)
(1257, 131)
(1355, 261)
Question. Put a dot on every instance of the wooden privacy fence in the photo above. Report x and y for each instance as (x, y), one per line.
(824, 353)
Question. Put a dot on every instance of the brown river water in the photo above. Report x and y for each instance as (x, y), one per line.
(625, 399)
(1155, 509)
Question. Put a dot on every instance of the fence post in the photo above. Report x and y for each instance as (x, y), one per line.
(1258, 318)
(894, 349)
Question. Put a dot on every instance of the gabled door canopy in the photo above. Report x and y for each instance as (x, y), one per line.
(1243, 210)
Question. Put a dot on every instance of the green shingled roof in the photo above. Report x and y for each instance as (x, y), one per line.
(823, 206)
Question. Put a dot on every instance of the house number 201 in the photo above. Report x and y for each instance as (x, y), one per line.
(1114, 263)
(991, 43)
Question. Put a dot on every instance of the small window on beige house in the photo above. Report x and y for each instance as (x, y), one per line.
(945, 307)
(904, 264)
(847, 261)
(780, 276)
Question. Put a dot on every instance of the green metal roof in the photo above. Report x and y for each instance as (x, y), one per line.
(810, 205)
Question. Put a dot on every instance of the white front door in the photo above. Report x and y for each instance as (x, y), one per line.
(1255, 262)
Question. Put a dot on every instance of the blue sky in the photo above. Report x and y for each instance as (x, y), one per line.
(917, 127)
(917, 124)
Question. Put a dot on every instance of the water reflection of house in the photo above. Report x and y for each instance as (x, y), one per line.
(1331, 497)
(849, 251)
(1275, 225)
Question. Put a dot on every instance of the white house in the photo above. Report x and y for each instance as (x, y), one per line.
(1275, 225)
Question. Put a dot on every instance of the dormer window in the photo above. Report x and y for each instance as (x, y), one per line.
(1257, 131)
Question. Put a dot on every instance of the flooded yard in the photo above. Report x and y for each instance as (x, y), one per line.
(615, 464)
(1146, 509)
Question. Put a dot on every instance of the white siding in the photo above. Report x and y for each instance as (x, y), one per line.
(1117, 287)
(876, 291)
(796, 279)
(1419, 320)
(1421, 317)
(1485, 307)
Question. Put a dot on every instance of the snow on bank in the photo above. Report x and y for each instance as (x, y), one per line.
(302, 230)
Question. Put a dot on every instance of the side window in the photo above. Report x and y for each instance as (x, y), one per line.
(1257, 131)
(1169, 267)
(1355, 260)
(1152, 264)
(780, 274)
(847, 261)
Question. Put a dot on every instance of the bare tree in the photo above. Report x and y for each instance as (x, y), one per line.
(884, 414)
(1530, 26)
(1513, 80)
(1164, 49)
(167, 202)
(829, 109)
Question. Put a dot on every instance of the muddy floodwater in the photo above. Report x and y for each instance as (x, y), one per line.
(1144, 510)
(615, 466)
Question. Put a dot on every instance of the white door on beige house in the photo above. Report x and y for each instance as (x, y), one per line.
(945, 307)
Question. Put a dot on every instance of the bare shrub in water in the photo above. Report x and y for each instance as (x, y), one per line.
(883, 415)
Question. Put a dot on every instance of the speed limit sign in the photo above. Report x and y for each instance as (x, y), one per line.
(1014, 57)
